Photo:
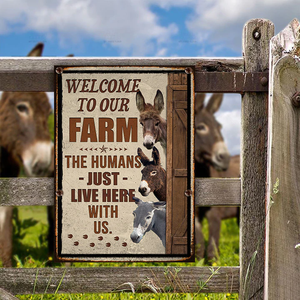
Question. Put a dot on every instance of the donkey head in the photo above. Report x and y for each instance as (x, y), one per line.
(150, 118)
(153, 175)
(209, 143)
(144, 218)
(24, 133)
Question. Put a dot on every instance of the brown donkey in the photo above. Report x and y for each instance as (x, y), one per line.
(154, 126)
(153, 175)
(24, 141)
(212, 159)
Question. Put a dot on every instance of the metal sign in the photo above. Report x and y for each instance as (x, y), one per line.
(115, 164)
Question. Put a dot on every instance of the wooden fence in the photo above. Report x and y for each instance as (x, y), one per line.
(269, 216)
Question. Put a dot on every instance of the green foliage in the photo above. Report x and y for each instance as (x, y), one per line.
(51, 125)
(131, 296)
(30, 247)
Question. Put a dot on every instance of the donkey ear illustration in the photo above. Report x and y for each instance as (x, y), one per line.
(144, 159)
(140, 102)
(158, 205)
(137, 200)
(155, 156)
(159, 101)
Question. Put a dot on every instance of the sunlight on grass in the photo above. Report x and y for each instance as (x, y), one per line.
(31, 250)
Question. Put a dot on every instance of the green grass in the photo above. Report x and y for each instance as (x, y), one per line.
(129, 296)
(31, 250)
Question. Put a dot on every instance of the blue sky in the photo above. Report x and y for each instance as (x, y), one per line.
(140, 28)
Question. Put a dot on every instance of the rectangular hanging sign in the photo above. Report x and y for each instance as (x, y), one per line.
(124, 156)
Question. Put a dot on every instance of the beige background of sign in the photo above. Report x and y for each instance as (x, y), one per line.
(75, 219)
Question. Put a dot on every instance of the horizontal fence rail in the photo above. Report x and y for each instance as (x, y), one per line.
(224, 75)
(112, 279)
(40, 191)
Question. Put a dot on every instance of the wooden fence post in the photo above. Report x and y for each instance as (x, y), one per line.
(256, 36)
(282, 273)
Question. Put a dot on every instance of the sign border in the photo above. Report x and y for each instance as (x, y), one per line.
(189, 256)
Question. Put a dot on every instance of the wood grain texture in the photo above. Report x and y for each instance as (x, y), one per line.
(283, 223)
(177, 163)
(4, 295)
(26, 191)
(254, 163)
(218, 192)
(37, 74)
(105, 280)
(40, 191)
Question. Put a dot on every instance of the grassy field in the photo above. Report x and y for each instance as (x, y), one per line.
(31, 250)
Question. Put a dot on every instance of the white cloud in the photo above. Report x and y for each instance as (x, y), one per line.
(221, 22)
(229, 116)
(231, 130)
(129, 25)
(161, 52)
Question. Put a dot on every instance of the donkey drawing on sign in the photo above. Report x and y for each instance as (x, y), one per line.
(149, 216)
(24, 141)
(153, 175)
(211, 156)
(154, 126)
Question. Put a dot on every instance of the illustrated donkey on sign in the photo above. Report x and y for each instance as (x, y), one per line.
(24, 141)
(212, 159)
(153, 175)
(154, 126)
(149, 216)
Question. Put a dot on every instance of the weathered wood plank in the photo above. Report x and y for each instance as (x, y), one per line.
(237, 82)
(256, 36)
(4, 295)
(283, 222)
(218, 192)
(105, 280)
(40, 191)
(36, 74)
(26, 191)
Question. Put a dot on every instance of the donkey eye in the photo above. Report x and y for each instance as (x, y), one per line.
(22, 108)
(157, 123)
(133, 214)
(148, 217)
(141, 123)
(153, 173)
(202, 128)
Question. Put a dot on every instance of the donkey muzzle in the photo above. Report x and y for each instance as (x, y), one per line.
(220, 157)
(136, 235)
(144, 188)
(149, 141)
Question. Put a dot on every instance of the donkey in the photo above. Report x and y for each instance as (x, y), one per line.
(24, 141)
(149, 216)
(211, 159)
(216, 214)
(154, 126)
(153, 175)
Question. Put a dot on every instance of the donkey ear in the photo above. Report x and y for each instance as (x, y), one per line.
(140, 101)
(159, 101)
(214, 103)
(160, 204)
(5, 96)
(144, 159)
(37, 50)
(155, 156)
(137, 200)
(199, 101)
